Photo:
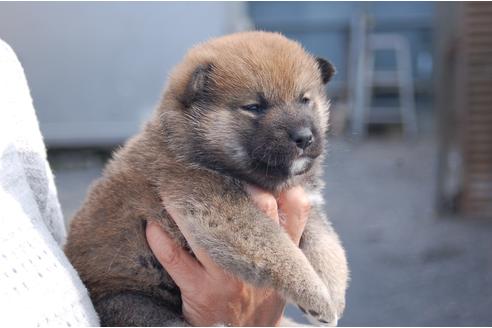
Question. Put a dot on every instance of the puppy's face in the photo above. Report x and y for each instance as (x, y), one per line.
(257, 110)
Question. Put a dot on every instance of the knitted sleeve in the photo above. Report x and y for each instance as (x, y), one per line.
(38, 285)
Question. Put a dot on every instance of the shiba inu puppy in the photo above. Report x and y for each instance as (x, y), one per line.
(244, 108)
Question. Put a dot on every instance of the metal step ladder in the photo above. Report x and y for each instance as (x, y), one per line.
(367, 77)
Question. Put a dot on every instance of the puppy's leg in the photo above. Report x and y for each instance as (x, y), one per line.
(242, 240)
(322, 247)
(135, 310)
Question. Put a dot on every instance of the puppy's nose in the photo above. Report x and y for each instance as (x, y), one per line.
(303, 137)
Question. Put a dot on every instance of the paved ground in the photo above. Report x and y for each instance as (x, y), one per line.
(409, 268)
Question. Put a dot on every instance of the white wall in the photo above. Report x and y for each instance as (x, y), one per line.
(96, 70)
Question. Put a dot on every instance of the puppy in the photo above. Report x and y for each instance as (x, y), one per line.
(244, 108)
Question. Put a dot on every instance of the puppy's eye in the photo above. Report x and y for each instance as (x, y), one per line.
(305, 100)
(255, 108)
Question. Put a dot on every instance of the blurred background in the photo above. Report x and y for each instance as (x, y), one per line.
(409, 165)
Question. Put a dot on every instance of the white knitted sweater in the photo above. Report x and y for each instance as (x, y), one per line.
(38, 285)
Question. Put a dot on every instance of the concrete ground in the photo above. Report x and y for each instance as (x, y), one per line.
(409, 268)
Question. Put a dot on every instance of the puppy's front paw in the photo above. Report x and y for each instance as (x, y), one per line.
(319, 320)
(339, 302)
(337, 306)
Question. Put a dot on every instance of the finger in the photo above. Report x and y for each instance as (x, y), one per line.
(264, 201)
(202, 256)
(180, 265)
(294, 206)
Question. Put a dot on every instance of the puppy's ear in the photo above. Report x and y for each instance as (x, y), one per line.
(198, 87)
(326, 68)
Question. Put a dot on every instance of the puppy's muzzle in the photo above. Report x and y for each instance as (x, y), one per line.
(303, 137)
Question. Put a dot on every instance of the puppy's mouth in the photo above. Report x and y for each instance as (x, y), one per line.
(301, 165)
(304, 160)
(286, 168)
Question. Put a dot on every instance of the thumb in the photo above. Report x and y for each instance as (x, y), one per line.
(181, 266)
(295, 207)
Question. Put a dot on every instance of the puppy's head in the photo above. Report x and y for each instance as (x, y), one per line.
(251, 105)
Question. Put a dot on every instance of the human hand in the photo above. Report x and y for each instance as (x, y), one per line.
(212, 296)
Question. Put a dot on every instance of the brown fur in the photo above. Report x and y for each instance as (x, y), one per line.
(195, 153)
